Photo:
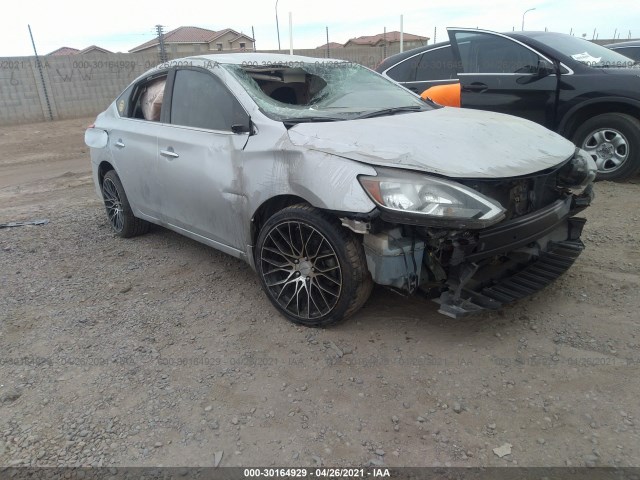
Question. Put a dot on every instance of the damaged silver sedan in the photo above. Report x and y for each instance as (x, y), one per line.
(327, 178)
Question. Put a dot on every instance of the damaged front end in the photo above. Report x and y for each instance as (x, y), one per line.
(475, 244)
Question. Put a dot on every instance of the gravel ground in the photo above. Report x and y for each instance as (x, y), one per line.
(161, 351)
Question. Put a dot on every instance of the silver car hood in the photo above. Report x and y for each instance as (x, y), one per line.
(447, 141)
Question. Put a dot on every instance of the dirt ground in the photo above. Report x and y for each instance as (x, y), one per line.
(161, 351)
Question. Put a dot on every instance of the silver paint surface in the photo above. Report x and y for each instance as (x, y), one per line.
(453, 142)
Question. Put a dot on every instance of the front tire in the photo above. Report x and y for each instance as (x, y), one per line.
(613, 141)
(313, 270)
(119, 211)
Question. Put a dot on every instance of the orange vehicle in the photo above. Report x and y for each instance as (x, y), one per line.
(447, 95)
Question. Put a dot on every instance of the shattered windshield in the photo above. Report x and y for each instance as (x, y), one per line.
(322, 91)
(586, 52)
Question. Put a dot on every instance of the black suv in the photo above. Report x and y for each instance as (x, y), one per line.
(629, 49)
(585, 92)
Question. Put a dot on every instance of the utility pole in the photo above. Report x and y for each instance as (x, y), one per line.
(290, 34)
(277, 25)
(401, 34)
(253, 35)
(525, 12)
(328, 49)
(163, 51)
(39, 65)
(384, 37)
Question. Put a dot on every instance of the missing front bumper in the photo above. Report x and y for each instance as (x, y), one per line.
(472, 271)
(541, 271)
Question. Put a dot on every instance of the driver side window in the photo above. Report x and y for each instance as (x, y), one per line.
(487, 53)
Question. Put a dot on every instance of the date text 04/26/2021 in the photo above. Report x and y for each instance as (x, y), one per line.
(316, 472)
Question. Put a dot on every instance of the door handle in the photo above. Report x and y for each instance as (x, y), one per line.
(169, 153)
(476, 87)
(119, 143)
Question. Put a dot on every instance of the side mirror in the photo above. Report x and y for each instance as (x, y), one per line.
(96, 138)
(545, 68)
(243, 127)
(239, 128)
(542, 70)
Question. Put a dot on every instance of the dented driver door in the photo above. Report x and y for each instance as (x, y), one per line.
(200, 159)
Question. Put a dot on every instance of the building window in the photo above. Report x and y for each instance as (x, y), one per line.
(243, 45)
(219, 46)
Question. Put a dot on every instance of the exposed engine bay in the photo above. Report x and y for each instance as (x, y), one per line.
(467, 270)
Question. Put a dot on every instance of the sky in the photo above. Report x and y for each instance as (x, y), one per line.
(120, 25)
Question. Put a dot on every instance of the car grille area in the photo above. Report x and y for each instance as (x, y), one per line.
(519, 196)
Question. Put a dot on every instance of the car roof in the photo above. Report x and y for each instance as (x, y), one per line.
(257, 59)
(537, 36)
(398, 57)
(630, 43)
(248, 59)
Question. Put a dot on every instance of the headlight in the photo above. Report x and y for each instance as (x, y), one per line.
(579, 172)
(431, 201)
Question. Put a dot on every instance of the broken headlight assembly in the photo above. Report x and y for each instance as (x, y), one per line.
(579, 172)
(412, 198)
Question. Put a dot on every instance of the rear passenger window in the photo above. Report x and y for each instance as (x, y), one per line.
(201, 100)
(143, 100)
(404, 71)
(151, 99)
(631, 52)
(436, 64)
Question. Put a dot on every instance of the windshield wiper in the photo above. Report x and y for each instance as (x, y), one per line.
(289, 122)
(390, 111)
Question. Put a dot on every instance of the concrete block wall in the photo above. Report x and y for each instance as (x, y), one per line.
(19, 91)
(76, 85)
(84, 85)
(73, 86)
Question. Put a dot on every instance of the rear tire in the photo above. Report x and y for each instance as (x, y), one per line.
(613, 141)
(119, 211)
(313, 270)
